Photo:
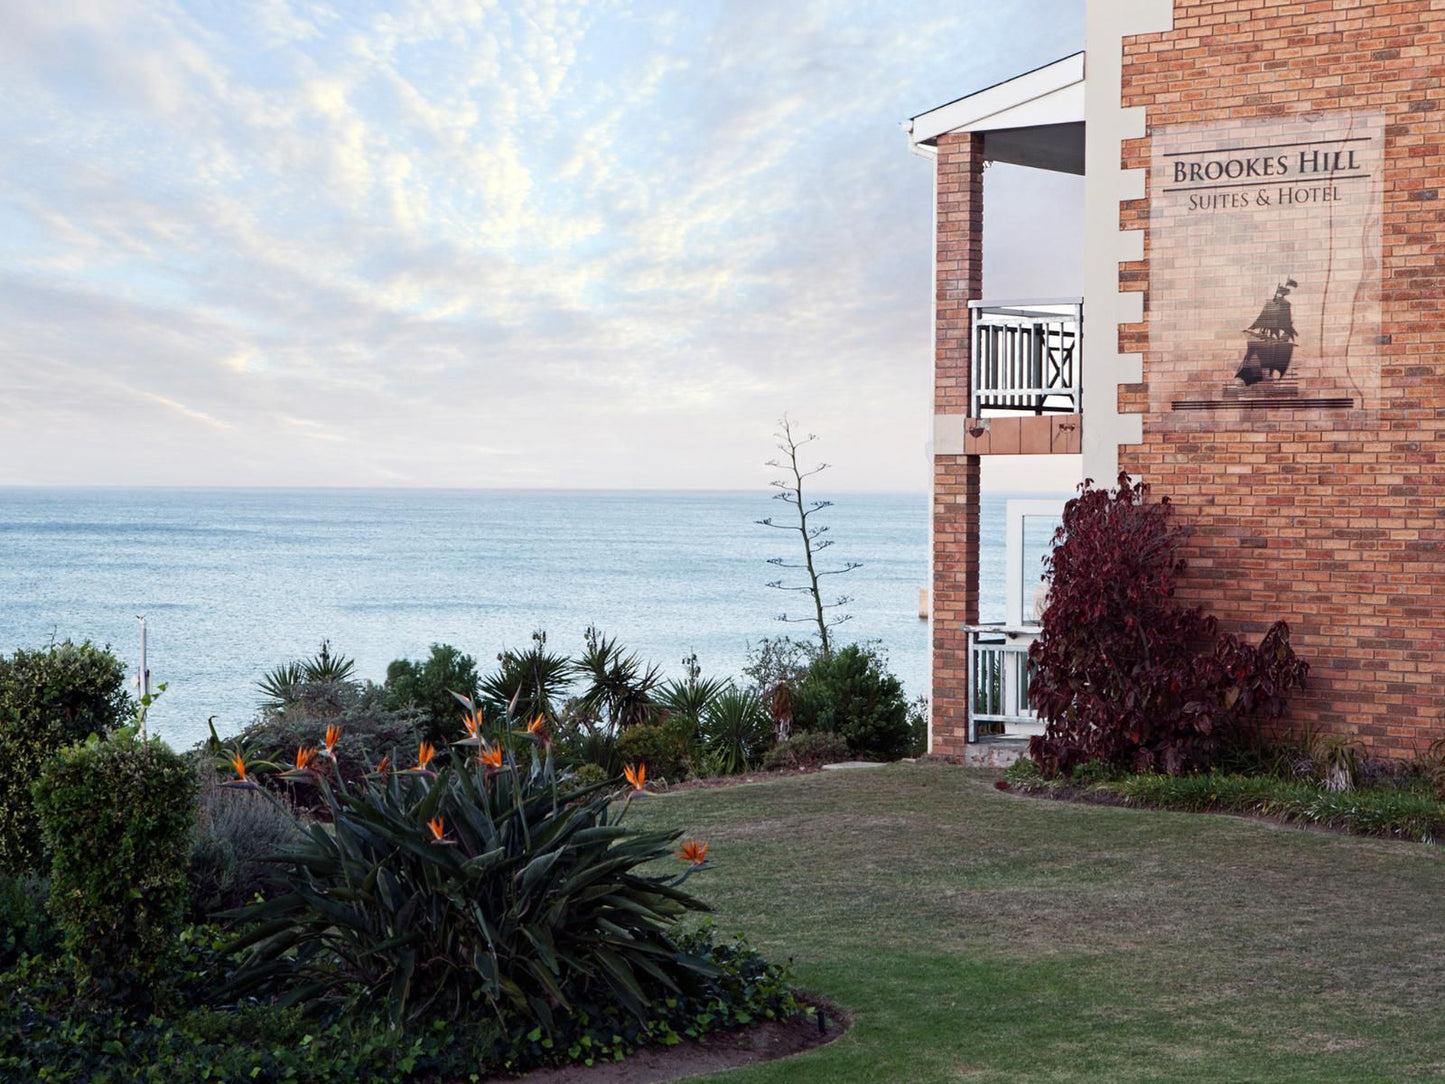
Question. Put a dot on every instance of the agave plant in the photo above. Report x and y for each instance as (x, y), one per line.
(736, 730)
(430, 889)
(280, 684)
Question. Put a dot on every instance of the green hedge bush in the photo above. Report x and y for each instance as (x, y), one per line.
(852, 694)
(667, 748)
(115, 815)
(428, 685)
(49, 698)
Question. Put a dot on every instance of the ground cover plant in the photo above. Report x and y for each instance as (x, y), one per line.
(981, 936)
(47, 1035)
(1402, 804)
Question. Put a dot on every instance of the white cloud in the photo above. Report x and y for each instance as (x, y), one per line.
(461, 243)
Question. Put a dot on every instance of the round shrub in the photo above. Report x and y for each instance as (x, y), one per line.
(428, 686)
(666, 748)
(368, 730)
(48, 699)
(808, 749)
(852, 694)
(115, 815)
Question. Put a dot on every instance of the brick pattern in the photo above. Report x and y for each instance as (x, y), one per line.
(1338, 530)
(955, 477)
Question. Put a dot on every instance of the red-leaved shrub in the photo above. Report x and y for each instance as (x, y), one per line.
(1122, 673)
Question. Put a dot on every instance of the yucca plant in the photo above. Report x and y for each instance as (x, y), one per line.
(621, 688)
(529, 683)
(736, 730)
(690, 698)
(478, 882)
(317, 682)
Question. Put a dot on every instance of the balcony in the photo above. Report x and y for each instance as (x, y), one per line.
(998, 682)
(1026, 377)
(1027, 355)
(998, 652)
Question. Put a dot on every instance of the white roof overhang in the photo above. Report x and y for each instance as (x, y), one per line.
(1035, 119)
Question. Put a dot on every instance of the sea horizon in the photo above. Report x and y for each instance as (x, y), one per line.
(233, 580)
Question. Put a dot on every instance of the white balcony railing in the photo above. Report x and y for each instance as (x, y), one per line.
(1027, 355)
(998, 682)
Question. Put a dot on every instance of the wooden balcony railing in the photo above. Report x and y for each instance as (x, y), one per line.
(1027, 356)
(998, 682)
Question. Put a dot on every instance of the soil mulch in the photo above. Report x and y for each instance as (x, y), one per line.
(767, 1041)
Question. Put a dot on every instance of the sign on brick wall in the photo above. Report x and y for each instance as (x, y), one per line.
(1264, 269)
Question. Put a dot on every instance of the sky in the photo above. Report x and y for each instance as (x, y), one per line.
(492, 244)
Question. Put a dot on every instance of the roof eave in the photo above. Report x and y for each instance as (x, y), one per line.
(1052, 94)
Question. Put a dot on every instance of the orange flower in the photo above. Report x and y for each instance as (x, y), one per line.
(492, 757)
(304, 756)
(382, 765)
(438, 830)
(537, 728)
(473, 722)
(694, 852)
(333, 735)
(424, 754)
(636, 775)
(238, 765)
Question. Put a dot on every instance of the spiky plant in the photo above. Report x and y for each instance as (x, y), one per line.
(736, 730)
(621, 689)
(439, 884)
(529, 683)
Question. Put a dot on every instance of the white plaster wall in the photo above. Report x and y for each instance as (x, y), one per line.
(1107, 22)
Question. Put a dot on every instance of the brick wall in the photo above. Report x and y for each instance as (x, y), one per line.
(955, 477)
(1337, 528)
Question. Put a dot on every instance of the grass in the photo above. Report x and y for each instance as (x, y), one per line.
(985, 936)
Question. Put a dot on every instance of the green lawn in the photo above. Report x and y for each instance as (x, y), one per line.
(983, 936)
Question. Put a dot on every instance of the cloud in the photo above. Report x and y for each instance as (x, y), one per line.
(482, 243)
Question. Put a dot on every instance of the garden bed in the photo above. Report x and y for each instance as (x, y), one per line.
(767, 1041)
(1408, 812)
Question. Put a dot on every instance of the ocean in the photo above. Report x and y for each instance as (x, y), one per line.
(234, 581)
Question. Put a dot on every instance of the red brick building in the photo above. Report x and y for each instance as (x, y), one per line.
(1265, 304)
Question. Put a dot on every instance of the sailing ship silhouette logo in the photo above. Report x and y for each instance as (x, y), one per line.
(1271, 339)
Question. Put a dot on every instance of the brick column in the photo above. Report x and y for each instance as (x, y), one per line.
(959, 269)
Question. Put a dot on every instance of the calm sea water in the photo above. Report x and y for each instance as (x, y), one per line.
(233, 582)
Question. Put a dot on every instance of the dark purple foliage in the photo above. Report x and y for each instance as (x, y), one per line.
(1122, 673)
